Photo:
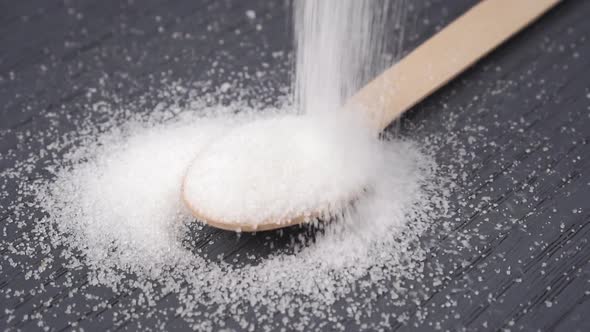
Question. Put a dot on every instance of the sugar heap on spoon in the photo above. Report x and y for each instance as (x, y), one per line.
(281, 171)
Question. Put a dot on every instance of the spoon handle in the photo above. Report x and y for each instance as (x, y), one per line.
(444, 56)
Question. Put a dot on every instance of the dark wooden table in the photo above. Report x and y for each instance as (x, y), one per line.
(527, 268)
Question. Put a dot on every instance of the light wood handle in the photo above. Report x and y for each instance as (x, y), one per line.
(444, 56)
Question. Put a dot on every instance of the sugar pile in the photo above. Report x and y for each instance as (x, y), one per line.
(283, 168)
(120, 201)
(115, 210)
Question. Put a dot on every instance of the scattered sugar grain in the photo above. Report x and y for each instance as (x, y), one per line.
(251, 14)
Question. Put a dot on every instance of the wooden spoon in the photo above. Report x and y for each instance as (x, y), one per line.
(427, 68)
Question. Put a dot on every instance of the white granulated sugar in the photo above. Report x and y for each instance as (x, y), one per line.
(112, 209)
(115, 203)
(126, 196)
(283, 168)
(250, 14)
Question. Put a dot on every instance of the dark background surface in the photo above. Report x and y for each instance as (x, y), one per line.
(529, 268)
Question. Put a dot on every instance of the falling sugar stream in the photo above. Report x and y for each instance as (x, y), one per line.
(340, 45)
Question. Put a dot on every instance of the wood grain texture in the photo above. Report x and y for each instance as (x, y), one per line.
(528, 268)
